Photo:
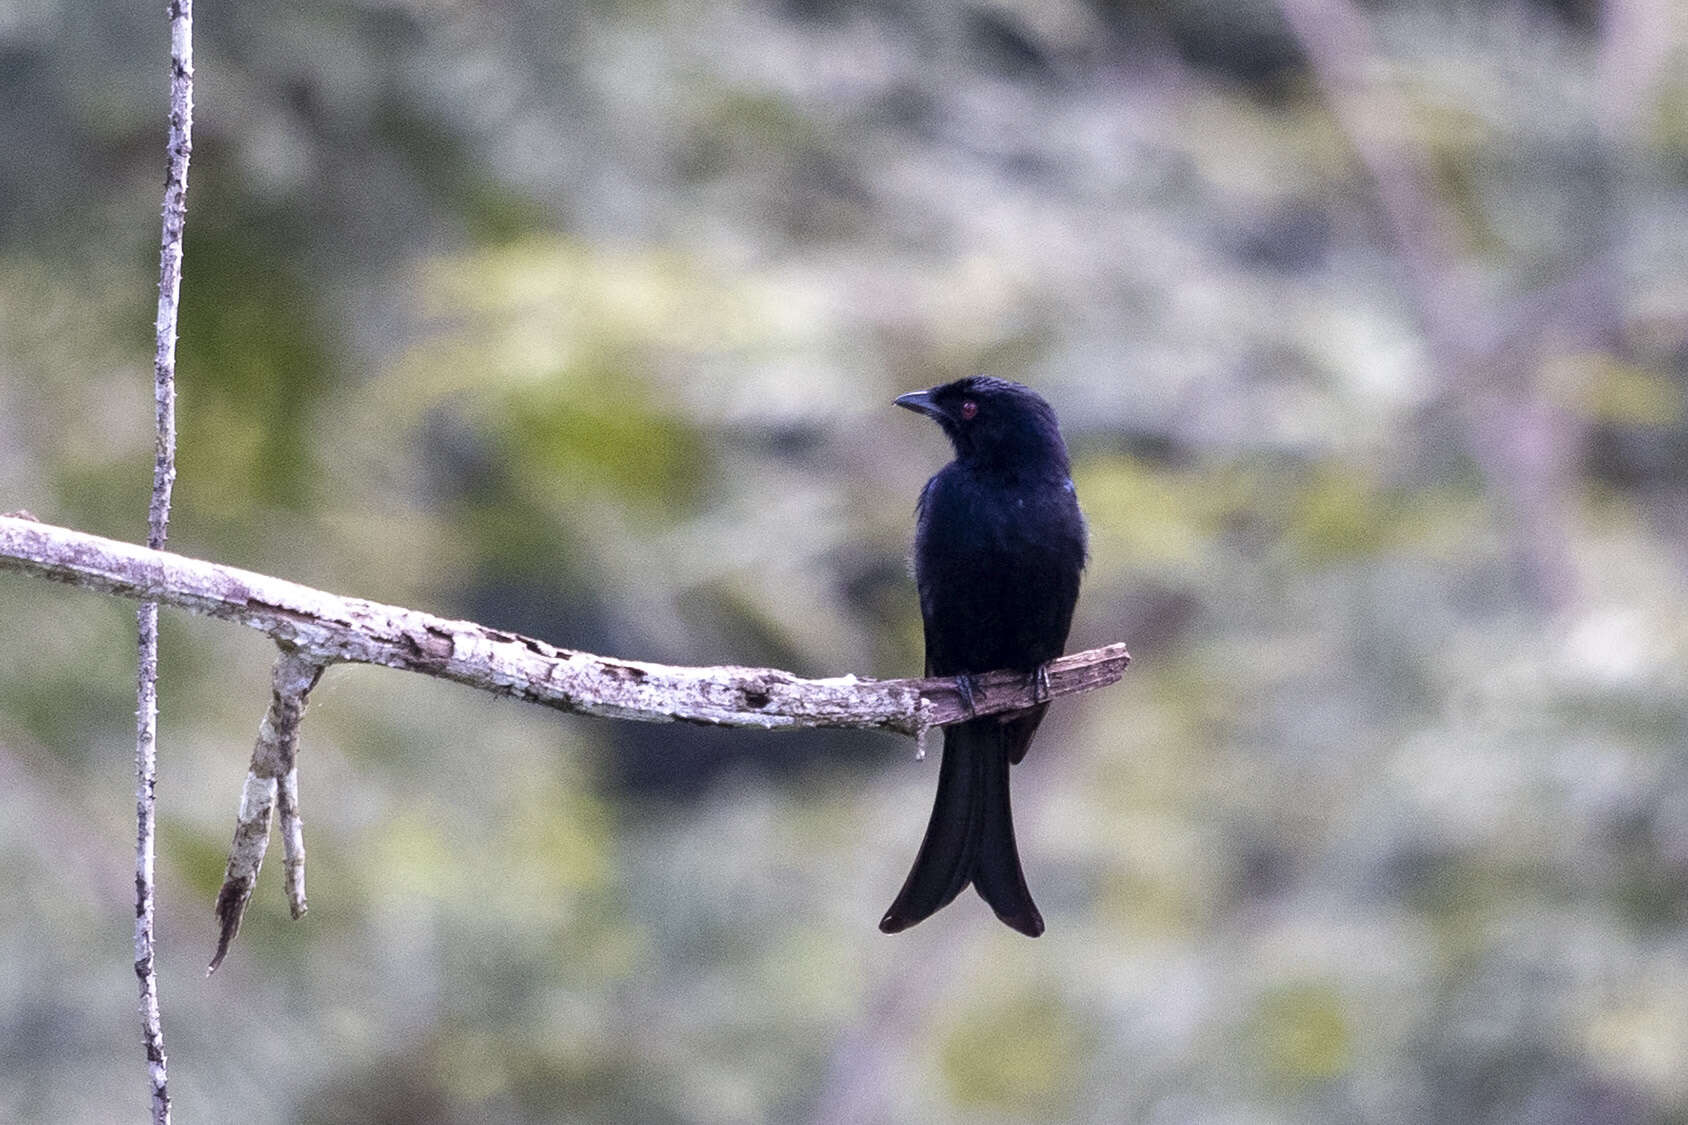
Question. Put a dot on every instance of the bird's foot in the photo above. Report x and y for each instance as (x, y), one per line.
(964, 685)
(1040, 684)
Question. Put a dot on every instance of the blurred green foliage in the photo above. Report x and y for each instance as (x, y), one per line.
(1303, 1035)
(253, 324)
(584, 320)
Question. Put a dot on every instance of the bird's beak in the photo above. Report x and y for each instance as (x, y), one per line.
(921, 403)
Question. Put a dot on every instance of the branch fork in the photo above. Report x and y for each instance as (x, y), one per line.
(315, 629)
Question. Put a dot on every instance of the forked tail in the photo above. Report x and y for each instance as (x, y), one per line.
(970, 838)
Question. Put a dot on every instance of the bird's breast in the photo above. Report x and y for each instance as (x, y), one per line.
(998, 572)
(973, 519)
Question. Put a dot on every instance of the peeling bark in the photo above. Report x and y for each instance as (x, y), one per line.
(328, 629)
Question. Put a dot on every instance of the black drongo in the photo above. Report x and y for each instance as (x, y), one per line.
(999, 544)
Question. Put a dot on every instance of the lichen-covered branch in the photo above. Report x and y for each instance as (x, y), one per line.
(315, 629)
(272, 783)
(328, 629)
(179, 146)
(292, 839)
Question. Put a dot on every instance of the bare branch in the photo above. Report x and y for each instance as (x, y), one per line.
(292, 840)
(271, 782)
(180, 145)
(315, 629)
(329, 629)
(1484, 358)
(1376, 120)
(146, 775)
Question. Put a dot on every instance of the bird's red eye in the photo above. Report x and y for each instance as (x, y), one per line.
(968, 409)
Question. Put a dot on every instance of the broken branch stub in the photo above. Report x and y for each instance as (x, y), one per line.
(271, 780)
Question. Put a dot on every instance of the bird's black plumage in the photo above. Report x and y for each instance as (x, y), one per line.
(999, 545)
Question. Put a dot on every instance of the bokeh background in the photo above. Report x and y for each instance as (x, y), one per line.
(1368, 325)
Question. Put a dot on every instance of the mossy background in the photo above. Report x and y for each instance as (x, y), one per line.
(584, 320)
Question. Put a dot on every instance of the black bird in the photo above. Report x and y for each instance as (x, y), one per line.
(998, 547)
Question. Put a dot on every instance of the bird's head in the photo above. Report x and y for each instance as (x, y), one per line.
(994, 423)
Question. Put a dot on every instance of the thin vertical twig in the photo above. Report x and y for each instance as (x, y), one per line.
(158, 520)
